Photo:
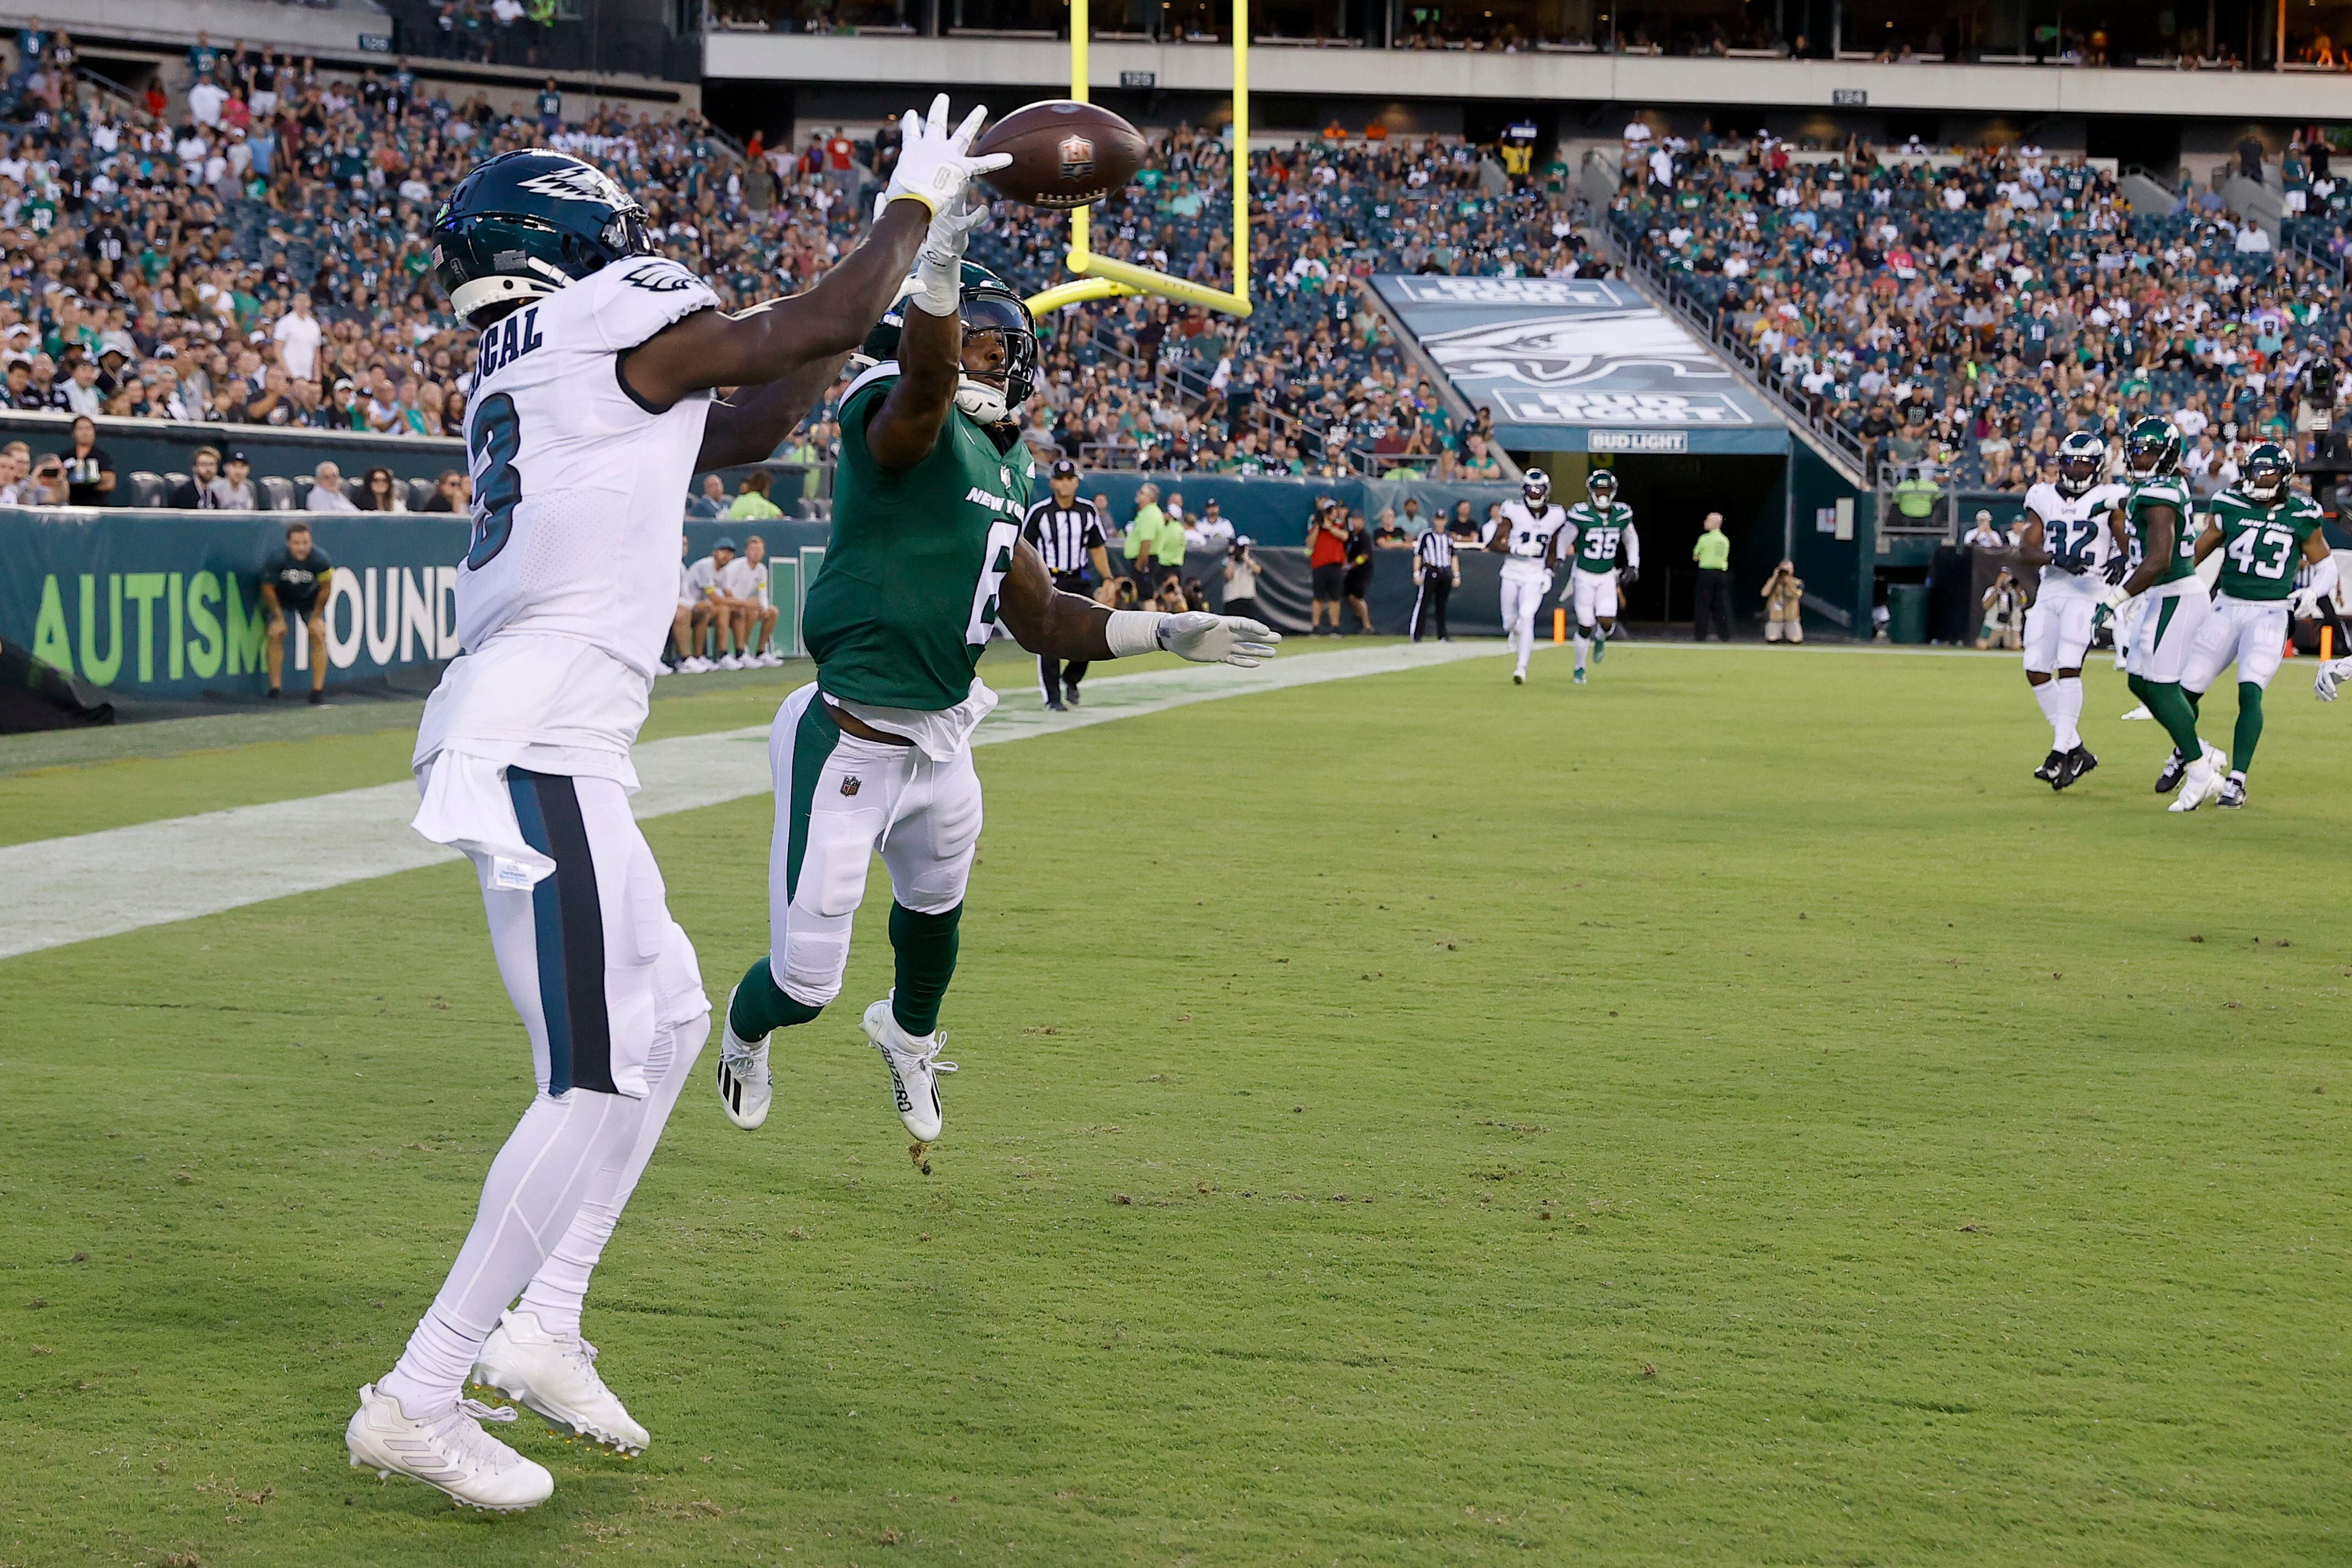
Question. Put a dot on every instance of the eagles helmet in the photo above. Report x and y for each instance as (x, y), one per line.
(989, 305)
(2082, 460)
(2152, 450)
(1601, 488)
(2268, 468)
(1534, 484)
(525, 224)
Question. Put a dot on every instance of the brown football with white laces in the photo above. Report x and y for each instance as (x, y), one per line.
(1065, 154)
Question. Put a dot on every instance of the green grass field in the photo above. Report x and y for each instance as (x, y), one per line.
(1726, 1114)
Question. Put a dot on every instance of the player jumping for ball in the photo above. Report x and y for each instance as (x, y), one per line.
(592, 411)
(2263, 531)
(1599, 523)
(926, 560)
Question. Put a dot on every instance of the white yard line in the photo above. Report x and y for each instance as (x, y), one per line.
(61, 891)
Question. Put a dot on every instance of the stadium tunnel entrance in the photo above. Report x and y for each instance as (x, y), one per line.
(1670, 496)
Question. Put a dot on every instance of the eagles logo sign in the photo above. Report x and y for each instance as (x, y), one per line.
(1077, 158)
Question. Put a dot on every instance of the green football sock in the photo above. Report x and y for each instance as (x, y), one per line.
(926, 949)
(2170, 705)
(2196, 700)
(761, 1006)
(2250, 727)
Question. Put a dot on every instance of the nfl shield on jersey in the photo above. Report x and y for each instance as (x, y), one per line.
(576, 482)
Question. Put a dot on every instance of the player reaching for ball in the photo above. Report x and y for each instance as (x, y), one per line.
(926, 560)
(592, 411)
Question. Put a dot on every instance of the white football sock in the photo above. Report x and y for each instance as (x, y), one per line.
(2046, 694)
(1583, 645)
(2068, 713)
(556, 1291)
(551, 1160)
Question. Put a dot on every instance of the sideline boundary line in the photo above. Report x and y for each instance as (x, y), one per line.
(87, 885)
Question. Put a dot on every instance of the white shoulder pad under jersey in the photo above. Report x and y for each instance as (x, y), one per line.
(579, 484)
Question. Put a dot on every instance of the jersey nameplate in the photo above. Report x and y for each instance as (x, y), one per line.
(507, 342)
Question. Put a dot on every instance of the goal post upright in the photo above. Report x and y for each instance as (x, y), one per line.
(1106, 277)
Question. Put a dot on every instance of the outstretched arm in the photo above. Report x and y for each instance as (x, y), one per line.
(747, 426)
(1047, 621)
(774, 340)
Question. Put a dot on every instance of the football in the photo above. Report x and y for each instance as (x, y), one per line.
(1065, 154)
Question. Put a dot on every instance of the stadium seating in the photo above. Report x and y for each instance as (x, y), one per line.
(1972, 315)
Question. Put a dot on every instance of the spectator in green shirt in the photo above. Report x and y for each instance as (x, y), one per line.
(1915, 496)
(1143, 538)
(1713, 603)
(753, 501)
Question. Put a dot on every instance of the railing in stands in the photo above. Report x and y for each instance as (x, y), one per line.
(1708, 321)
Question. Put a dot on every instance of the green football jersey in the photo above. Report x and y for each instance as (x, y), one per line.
(907, 597)
(2166, 492)
(1598, 531)
(2261, 546)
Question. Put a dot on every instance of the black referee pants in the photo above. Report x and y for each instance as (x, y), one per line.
(1713, 605)
(1429, 604)
(1055, 677)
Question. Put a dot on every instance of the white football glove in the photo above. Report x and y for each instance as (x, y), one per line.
(2331, 675)
(934, 163)
(939, 266)
(2305, 603)
(1207, 639)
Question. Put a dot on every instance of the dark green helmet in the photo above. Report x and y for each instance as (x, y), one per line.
(1601, 488)
(989, 305)
(524, 225)
(2152, 450)
(2268, 468)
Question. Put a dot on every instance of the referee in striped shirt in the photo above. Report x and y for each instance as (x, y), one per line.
(1439, 574)
(1068, 533)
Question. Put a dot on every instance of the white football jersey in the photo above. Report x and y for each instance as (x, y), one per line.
(1530, 537)
(579, 489)
(2076, 525)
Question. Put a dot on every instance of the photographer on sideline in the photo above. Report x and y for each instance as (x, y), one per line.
(1784, 599)
(295, 582)
(1241, 580)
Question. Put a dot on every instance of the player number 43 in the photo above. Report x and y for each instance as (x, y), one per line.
(2245, 552)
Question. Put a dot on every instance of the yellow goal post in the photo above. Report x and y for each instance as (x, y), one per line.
(1107, 277)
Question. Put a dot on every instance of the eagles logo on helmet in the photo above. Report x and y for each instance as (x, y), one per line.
(2082, 462)
(525, 224)
(1534, 484)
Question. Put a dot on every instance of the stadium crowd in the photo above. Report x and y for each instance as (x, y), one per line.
(263, 261)
(1966, 312)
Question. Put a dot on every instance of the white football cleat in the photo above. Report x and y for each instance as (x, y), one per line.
(449, 1453)
(915, 1066)
(2139, 712)
(554, 1377)
(745, 1087)
(2203, 780)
